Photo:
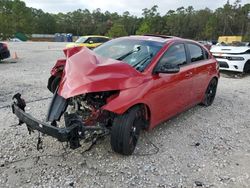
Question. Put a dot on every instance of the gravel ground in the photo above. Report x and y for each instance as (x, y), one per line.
(202, 147)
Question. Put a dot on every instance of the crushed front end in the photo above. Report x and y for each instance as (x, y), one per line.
(83, 117)
(86, 84)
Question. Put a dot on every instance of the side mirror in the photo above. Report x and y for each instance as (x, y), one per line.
(167, 69)
(91, 42)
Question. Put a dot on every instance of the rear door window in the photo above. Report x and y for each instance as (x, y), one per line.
(196, 52)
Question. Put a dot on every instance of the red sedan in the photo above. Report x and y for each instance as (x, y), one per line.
(125, 85)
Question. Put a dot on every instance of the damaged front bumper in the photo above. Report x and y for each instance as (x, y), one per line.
(62, 134)
(74, 131)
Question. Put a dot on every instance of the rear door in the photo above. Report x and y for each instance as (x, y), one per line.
(202, 65)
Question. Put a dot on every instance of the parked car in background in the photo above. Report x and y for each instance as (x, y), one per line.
(207, 44)
(123, 86)
(15, 40)
(229, 39)
(91, 41)
(233, 57)
(4, 51)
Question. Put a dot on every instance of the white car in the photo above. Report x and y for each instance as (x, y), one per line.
(233, 58)
(15, 40)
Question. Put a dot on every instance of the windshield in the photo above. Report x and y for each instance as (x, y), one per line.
(137, 53)
(81, 39)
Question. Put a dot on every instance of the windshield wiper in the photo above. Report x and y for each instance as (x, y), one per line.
(129, 53)
(144, 60)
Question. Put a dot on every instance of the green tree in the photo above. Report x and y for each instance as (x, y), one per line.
(117, 30)
(204, 24)
(152, 21)
(144, 28)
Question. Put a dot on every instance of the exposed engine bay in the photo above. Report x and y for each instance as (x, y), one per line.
(85, 113)
(88, 107)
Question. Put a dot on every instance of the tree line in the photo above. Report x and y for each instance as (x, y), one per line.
(204, 24)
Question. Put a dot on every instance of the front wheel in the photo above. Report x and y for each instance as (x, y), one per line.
(210, 92)
(53, 83)
(126, 130)
(247, 67)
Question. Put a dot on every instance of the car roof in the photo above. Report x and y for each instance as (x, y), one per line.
(95, 36)
(151, 37)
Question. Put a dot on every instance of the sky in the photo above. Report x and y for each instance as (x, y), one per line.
(133, 6)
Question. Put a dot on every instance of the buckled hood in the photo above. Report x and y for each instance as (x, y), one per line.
(87, 72)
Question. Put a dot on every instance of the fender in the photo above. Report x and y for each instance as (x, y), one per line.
(123, 102)
(58, 68)
(60, 63)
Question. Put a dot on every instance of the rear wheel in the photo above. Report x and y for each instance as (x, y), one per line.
(210, 93)
(126, 130)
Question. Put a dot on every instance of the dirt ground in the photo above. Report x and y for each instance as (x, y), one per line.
(202, 147)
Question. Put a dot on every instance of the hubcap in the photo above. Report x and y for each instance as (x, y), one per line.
(134, 131)
(211, 92)
(134, 134)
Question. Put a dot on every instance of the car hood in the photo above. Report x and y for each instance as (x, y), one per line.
(86, 72)
(229, 49)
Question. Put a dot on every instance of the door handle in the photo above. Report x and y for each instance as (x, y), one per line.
(209, 67)
(189, 74)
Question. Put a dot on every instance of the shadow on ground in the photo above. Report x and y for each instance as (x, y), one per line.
(232, 74)
(8, 61)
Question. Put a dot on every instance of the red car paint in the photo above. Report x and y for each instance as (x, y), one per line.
(58, 68)
(164, 95)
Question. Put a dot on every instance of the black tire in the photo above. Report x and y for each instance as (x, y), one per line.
(126, 130)
(247, 67)
(53, 83)
(210, 92)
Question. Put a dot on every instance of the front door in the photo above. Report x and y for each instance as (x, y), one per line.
(171, 92)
